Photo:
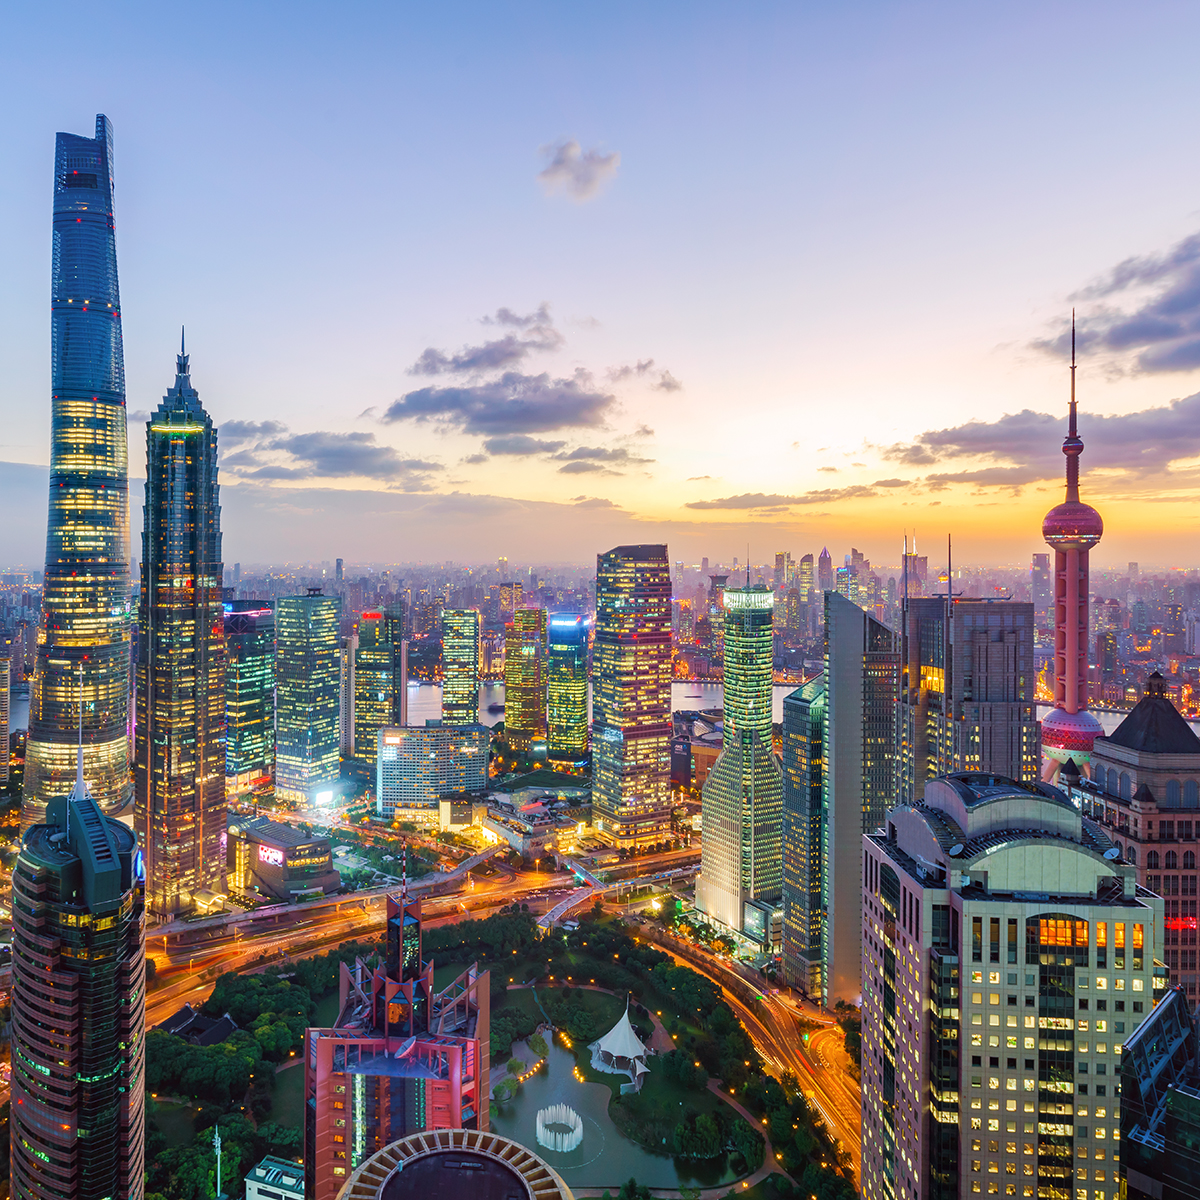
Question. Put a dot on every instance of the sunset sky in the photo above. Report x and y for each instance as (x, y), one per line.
(463, 280)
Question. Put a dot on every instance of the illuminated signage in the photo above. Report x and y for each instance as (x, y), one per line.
(270, 855)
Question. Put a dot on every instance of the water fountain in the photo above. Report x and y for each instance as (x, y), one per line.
(559, 1128)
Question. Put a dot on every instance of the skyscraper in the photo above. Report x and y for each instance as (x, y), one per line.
(1040, 584)
(967, 678)
(803, 800)
(567, 688)
(346, 651)
(85, 597)
(5, 689)
(179, 761)
(862, 670)
(805, 579)
(631, 700)
(525, 678)
(249, 695)
(78, 1005)
(374, 681)
(460, 666)
(401, 1059)
(1071, 529)
(1007, 956)
(742, 797)
(307, 766)
(825, 570)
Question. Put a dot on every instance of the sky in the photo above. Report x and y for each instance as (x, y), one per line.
(529, 279)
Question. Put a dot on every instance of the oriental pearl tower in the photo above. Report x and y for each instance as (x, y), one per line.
(1071, 529)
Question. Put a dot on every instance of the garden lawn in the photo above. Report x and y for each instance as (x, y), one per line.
(176, 1122)
(287, 1098)
(325, 1011)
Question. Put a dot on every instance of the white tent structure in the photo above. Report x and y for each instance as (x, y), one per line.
(620, 1052)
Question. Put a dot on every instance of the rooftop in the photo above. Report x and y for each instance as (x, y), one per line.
(263, 829)
(1155, 725)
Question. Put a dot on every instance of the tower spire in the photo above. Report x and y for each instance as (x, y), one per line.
(1073, 443)
(79, 784)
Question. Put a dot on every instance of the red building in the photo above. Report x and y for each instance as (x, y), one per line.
(401, 1058)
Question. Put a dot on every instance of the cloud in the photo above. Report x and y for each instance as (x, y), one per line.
(1025, 447)
(138, 416)
(697, 478)
(777, 502)
(323, 455)
(520, 444)
(664, 381)
(593, 502)
(244, 431)
(1159, 325)
(581, 467)
(577, 172)
(537, 335)
(514, 403)
(602, 454)
(828, 470)
(668, 383)
(892, 483)
(475, 459)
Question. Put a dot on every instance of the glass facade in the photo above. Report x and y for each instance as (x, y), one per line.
(374, 680)
(307, 673)
(631, 696)
(78, 1007)
(743, 793)
(85, 600)
(249, 694)
(460, 666)
(179, 758)
(567, 688)
(803, 769)
(525, 678)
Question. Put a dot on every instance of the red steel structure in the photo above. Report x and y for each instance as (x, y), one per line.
(401, 1058)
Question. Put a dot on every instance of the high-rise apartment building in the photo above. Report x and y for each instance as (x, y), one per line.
(862, 667)
(307, 765)
(374, 680)
(180, 747)
(567, 688)
(803, 829)
(85, 594)
(631, 696)
(418, 766)
(460, 666)
(1145, 791)
(1071, 529)
(5, 690)
(1007, 956)
(742, 797)
(249, 695)
(78, 1005)
(967, 681)
(401, 1058)
(525, 678)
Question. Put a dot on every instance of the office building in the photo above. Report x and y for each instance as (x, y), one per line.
(78, 1004)
(742, 798)
(967, 681)
(1145, 791)
(1007, 955)
(374, 680)
(825, 570)
(276, 1178)
(85, 593)
(346, 651)
(862, 667)
(460, 666)
(180, 745)
(525, 678)
(265, 859)
(805, 580)
(631, 697)
(307, 766)
(5, 691)
(249, 696)
(567, 688)
(1071, 529)
(1160, 1105)
(1041, 585)
(417, 765)
(715, 640)
(401, 1058)
(803, 827)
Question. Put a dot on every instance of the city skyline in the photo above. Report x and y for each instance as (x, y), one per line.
(807, 311)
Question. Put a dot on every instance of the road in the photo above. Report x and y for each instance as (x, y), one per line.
(772, 1021)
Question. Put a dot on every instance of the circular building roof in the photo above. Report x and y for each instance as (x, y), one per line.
(1072, 526)
(447, 1164)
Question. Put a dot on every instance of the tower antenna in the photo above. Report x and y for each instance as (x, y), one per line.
(1073, 432)
(79, 784)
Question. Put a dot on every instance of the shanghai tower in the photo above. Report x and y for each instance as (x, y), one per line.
(85, 621)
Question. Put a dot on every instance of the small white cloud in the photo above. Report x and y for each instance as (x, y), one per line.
(578, 172)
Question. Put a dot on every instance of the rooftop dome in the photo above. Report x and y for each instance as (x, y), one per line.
(1072, 525)
(1070, 735)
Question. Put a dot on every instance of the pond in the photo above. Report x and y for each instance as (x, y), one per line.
(605, 1158)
